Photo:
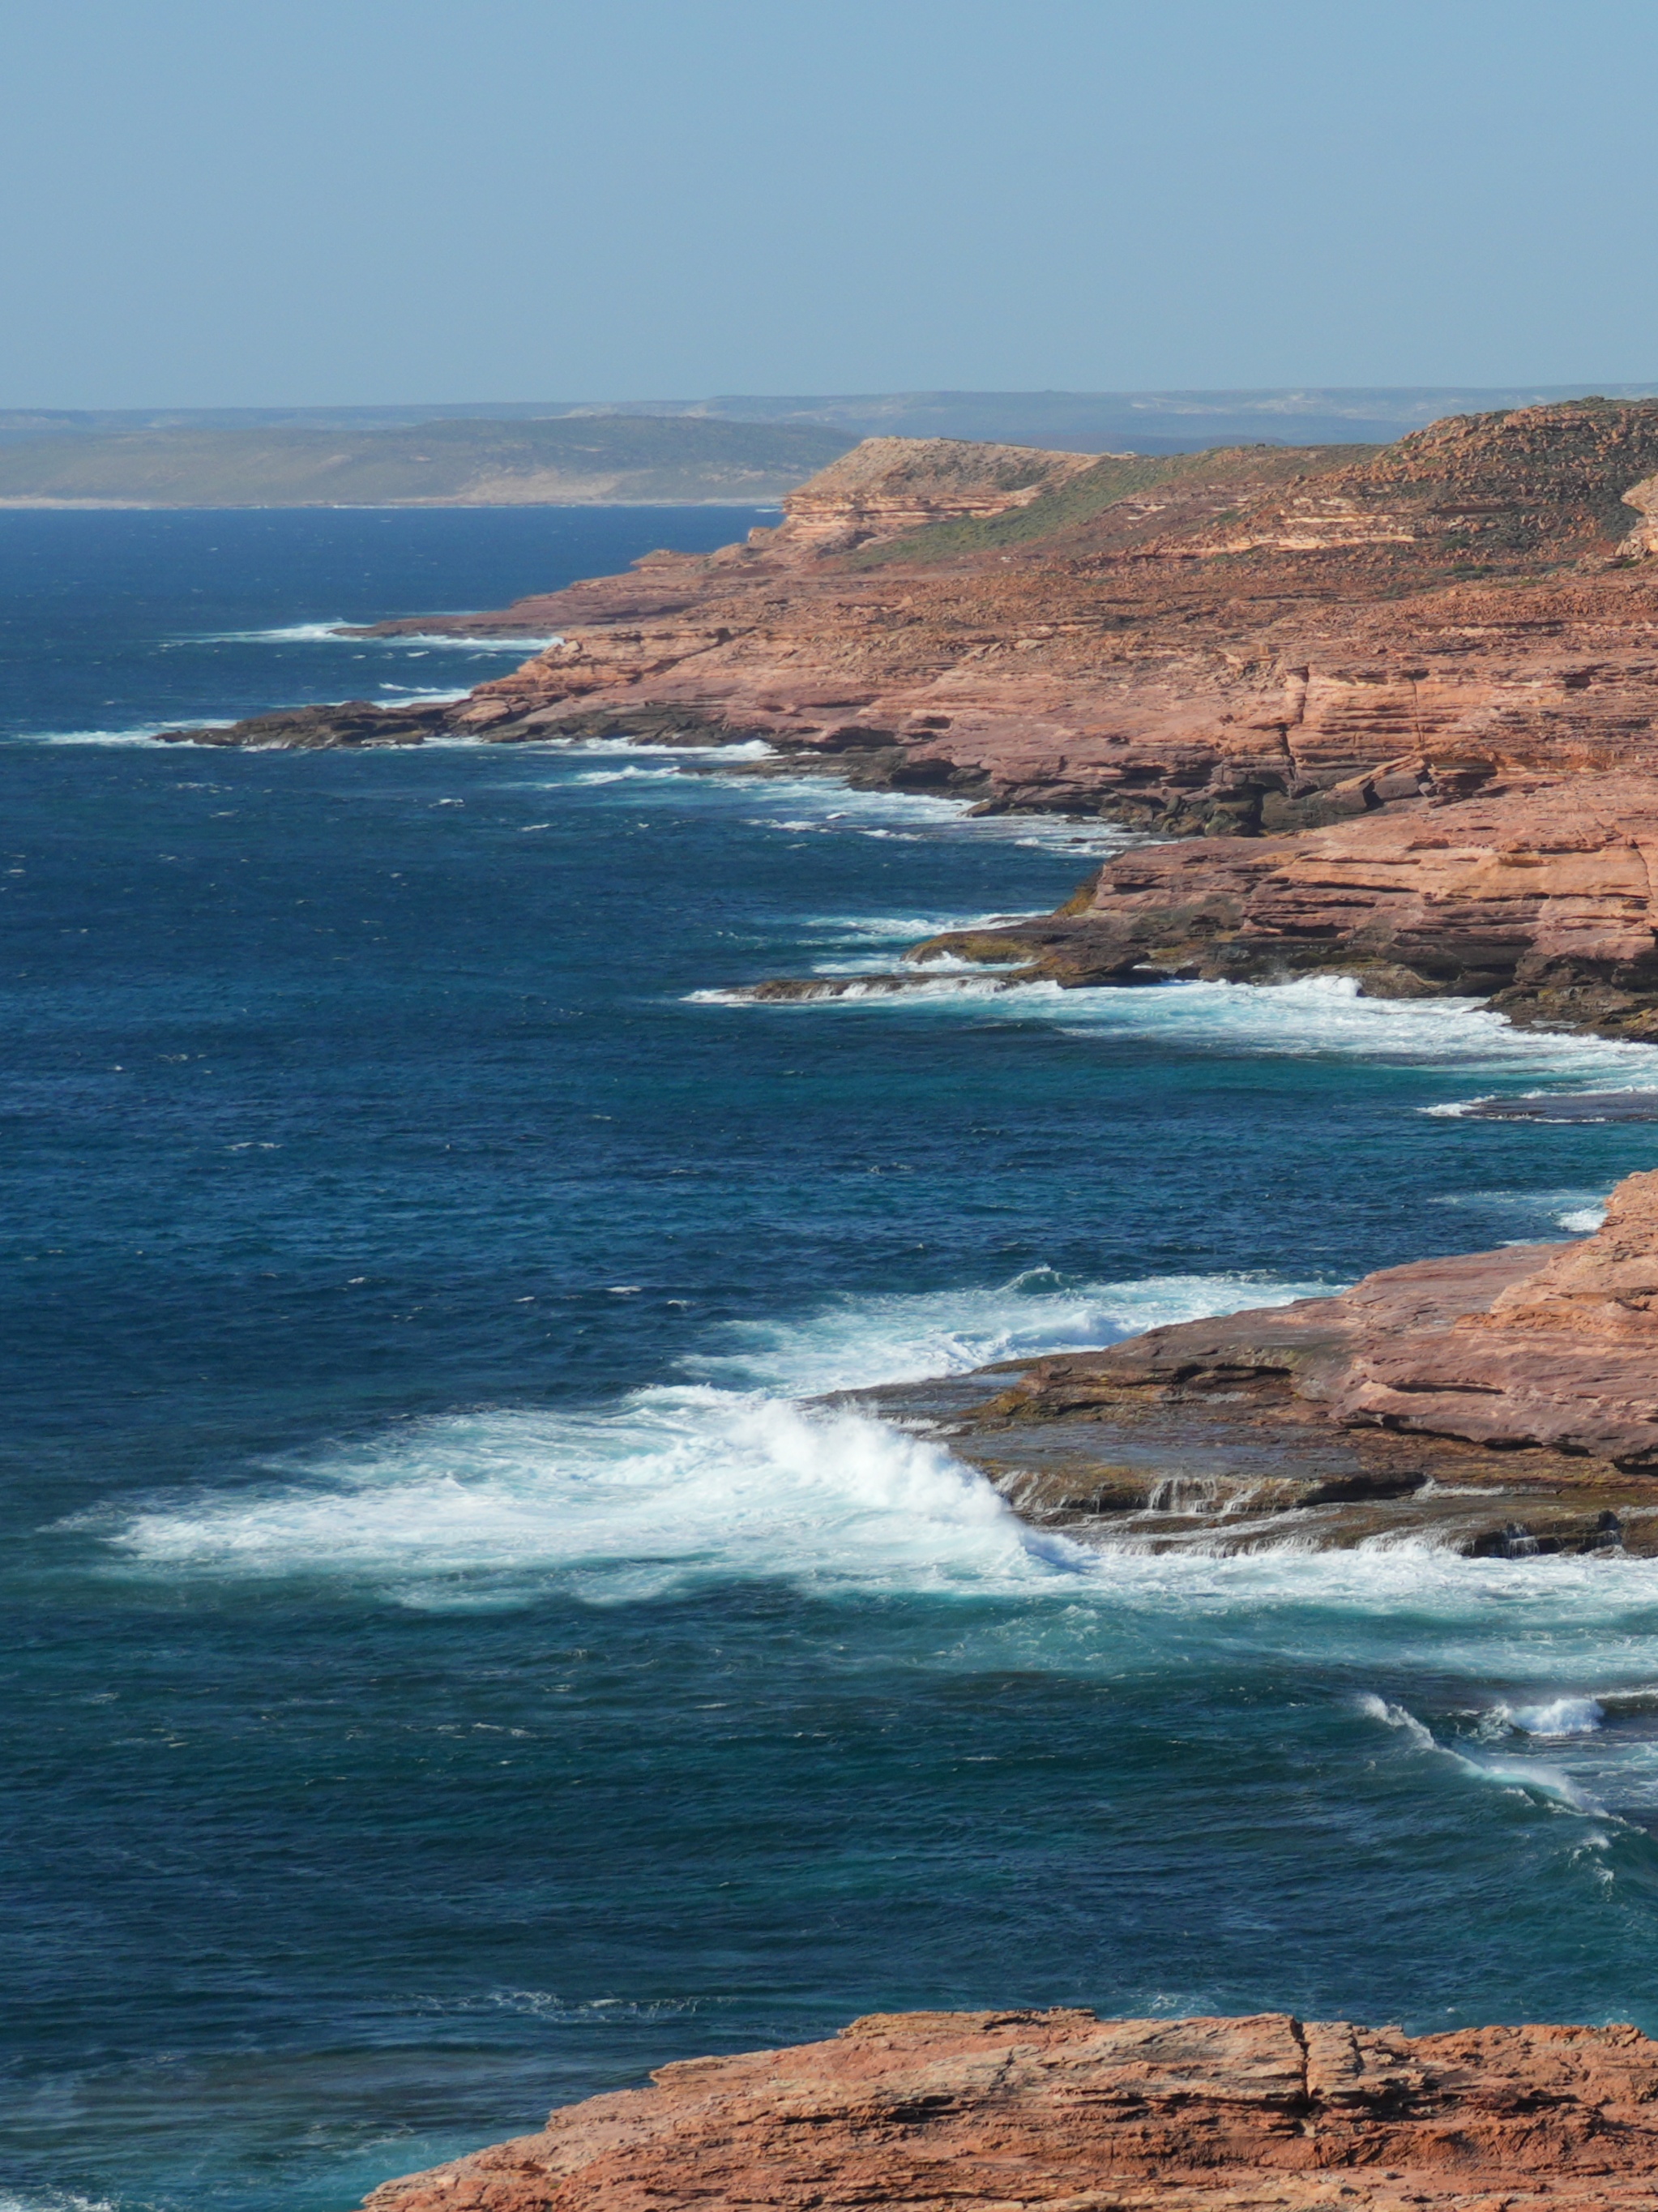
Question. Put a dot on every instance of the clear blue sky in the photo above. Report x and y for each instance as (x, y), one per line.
(212, 203)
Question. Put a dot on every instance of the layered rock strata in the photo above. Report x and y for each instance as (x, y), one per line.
(1500, 1403)
(1540, 893)
(1134, 652)
(1234, 649)
(993, 2111)
(886, 487)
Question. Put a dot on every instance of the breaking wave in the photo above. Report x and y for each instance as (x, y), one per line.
(726, 1476)
(338, 632)
(1313, 1015)
(1558, 1717)
(855, 1343)
(141, 734)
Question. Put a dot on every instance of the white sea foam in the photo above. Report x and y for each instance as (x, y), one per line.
(1395, 1717)
(856, 1342)
(723, 1477)
(806, 805)
(337, 632)
(52, 2200)
(564, 751)
(896, 928)
(1324, 1014)
(1630, 1061)
(1548, 1781)
(549, 2005)
(683, 1485)
(1580, 1212)
(1557, 1716)
(627, 775)
(1315, 1015)
(141, 734)
(1534, 1776)
(864, 988)
(936, 963)
(1582, 1220)
(672, 1485)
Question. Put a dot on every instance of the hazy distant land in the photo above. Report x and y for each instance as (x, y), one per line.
(735, 450)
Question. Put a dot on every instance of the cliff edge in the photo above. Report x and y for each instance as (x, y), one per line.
(1381, 693)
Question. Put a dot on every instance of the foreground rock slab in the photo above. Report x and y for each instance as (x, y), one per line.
(995, 2112)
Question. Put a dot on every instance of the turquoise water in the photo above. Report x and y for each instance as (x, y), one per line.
(446, 1671)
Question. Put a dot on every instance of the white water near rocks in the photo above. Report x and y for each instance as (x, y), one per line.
(415, 1721)
(730, 1476)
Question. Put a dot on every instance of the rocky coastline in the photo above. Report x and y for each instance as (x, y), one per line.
(1390, 713)
(1384, 713)
(1387, 711)
(993, 2111)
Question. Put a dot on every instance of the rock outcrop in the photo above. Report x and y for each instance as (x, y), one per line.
(1540, 893)
(1129, 650)
(887, 486)
(997, 2112)
(1234, 649)
(1493, 486)
(1499, 1402)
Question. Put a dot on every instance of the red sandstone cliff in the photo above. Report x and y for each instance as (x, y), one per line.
(1549, 1345)
(996, 2112)
(1143, 651)
(1540, 892)
(887, 486)
(1235, 647)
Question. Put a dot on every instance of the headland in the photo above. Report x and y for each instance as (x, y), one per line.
(1390, 713)
(1368, 701)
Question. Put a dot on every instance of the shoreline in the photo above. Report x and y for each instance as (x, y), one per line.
(1531, 892)
(1214, 1436)
(1394, 716)
(1496, 1404)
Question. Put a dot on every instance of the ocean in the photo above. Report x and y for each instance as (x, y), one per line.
(450, 1666)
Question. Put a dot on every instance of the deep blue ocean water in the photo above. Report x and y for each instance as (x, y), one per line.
(446, 1673)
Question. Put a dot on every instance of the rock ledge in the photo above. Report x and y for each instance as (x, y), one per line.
(993, 2111)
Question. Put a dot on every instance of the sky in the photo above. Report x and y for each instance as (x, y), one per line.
(212, 203)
